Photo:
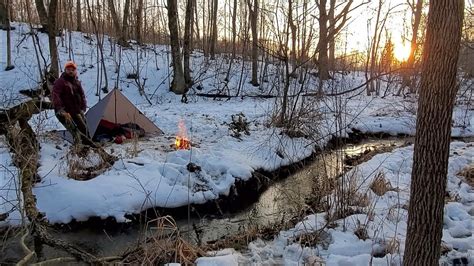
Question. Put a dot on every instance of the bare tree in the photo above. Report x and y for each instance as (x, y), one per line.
(293, 34)
(407, 77)
(42, 14)
(6, 7)
(178, 84)
(330, 25)
(234, 36)
(332, 40)
(78, 15)
(126, 14)
(438, 90)
(139, 22)
(119, 29)
(188, 38)
(52, 32)
(253, 14)
(213, 39)
(323, 41)
(4, 20)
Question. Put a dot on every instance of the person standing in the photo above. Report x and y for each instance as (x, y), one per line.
(70, 103)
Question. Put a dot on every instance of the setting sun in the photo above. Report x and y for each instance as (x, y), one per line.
(402, 51)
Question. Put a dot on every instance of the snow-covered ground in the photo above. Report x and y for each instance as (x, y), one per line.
(157, 175)
(384, 219)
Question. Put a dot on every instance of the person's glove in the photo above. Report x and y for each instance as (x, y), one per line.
(67, 116)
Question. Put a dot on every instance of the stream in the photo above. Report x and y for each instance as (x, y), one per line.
(282, 200)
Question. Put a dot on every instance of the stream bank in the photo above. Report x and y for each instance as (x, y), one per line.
(267, 198)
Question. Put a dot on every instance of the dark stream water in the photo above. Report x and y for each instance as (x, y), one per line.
(282, 200)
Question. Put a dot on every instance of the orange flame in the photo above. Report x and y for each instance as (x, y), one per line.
(182, 142)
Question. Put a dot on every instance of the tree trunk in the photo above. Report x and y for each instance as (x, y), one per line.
(187, 44)
(115, 19)
(4, 20)
(331, 37)
(413, 47)
(234, 28)
(122, 40)
(9, 41)
(78, 15)
(43, 16)
(323, 42)
(139, 23)
(178, 84)
(253, 13)
(293, 37)
(213, 42)
(52, 31)
(126, 13)
(234, 35)
(373, 51)
(433, 132)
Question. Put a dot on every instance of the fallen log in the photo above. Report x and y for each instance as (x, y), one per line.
(25, 149)
(24, 144)
(23, 110)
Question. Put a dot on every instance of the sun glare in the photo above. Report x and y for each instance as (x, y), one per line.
(402, 51)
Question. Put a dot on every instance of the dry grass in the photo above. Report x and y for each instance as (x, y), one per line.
(134, 149)
(392, 246)
(468, 174)
(312, 239)
(322, 188)
(165, 246)
(361, 232)
(380, 185)
(87, 163)
(243, 238)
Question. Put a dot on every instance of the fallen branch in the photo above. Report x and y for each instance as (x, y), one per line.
(25, 148)
(63, 260)
(29, 253)
(23, 110)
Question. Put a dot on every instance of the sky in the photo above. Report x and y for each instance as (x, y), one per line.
(362, 25)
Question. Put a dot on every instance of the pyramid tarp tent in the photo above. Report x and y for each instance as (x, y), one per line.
(116, 108)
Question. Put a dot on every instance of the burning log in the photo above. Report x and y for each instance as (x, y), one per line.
(182, 141)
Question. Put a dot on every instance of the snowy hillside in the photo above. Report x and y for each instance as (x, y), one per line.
(157, 175)
(376, 234)
(151, 172)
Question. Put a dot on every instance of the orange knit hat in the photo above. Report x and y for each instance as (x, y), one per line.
(70, 64)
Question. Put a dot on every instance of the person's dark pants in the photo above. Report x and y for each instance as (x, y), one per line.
(77, 127)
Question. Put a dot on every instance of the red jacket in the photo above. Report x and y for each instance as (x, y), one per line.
(68, 95)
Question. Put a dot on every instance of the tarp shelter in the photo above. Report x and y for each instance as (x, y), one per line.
(116, 108)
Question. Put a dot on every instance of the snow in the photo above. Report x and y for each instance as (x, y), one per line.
(222, 257)
(9, 198)
(164, 180)
(385, 218)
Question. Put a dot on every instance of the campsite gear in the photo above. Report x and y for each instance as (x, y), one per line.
(108, 130)
(76, 125)
(70, 64)
(68, 95)
(119, 139)
(113, 111)
(132, 130)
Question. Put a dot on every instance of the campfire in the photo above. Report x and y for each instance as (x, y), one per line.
(181, 141)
